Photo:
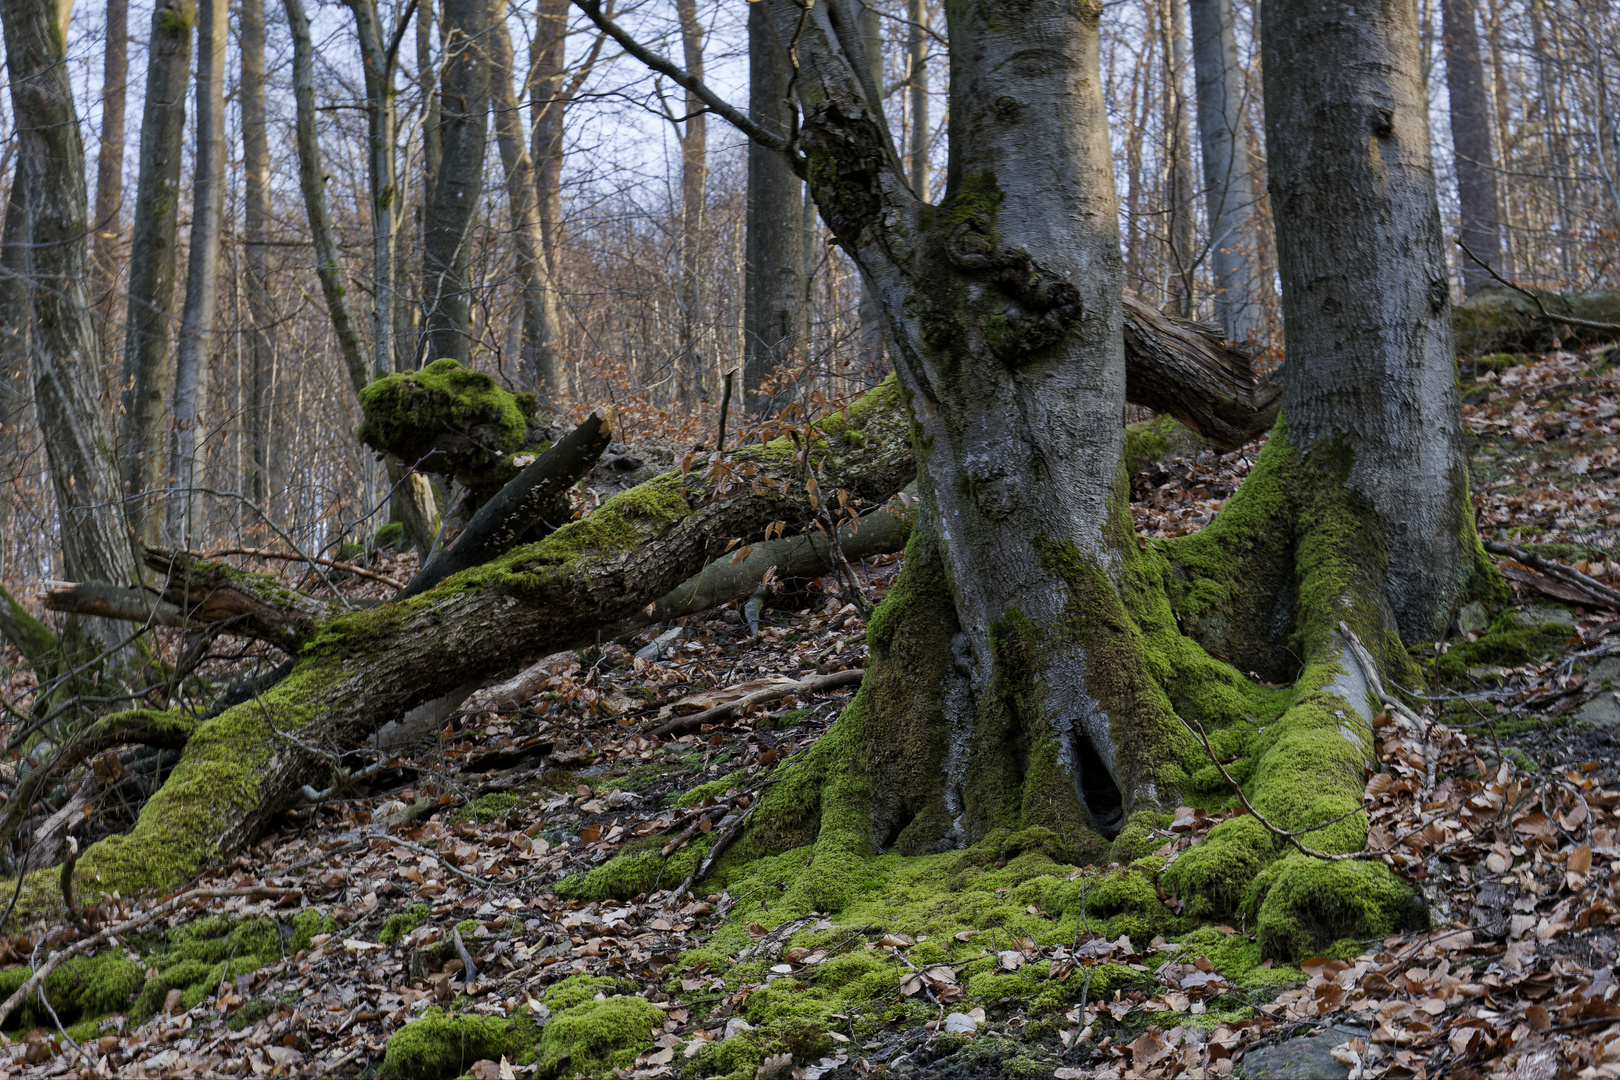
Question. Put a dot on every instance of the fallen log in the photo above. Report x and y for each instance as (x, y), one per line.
(774, 690)
(1191, 372)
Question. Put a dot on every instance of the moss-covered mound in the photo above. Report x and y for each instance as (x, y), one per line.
(442, 1045)
(597, 1036)
(448, 419)
(83, 989)
(195, 958)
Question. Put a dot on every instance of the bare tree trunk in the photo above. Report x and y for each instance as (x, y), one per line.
(775, 276)
(312, 179)
(538, 343)
(148, 362)
(110, 158)
(196, 344)
(1471, 142)
(377, 55)
(66, 357)
(917, 77)
(464, 109)
(1178, 197)
(16, 330)
(261, 374)
(547, 103)
(694, 198)
(1229, 189)
(870, 357)
(1366, 303)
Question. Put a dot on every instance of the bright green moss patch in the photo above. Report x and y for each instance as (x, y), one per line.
(578, 989)
(1238, 958)
(597, 1036)
(440, 1045)
(1511, 639)
(197, 957)
(713, 789)
(1309, 904)
(486, 808)
(84, 988)
(401, 923)
(637, 868)
(444, 419)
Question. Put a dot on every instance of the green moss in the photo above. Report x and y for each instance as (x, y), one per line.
(637, 868)
(1510, 641)
(86, 987)
(441, 1045)
(1238, 958)
(401, 923)
(389, 536)
(448, 419)
(486, 808)
(595, 1037)
(578, 989)
(713, 789)
(197, 957)
(1302, 906)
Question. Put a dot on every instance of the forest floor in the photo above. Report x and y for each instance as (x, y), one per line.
(434, 886)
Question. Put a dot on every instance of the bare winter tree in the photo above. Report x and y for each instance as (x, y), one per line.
(1471, 141)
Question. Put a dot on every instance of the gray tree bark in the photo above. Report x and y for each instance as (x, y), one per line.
(547, 103)
(694, 198)
(1366, 305)
(538, 355)
(1182, 234)
(1471, 143)
(65, 352)
(917, 77)
(377, 56)
(774, 298)
(196, 342)
(110, 157)
(261, 373)
(870, 356)
(464, 123)
(1229, 190)
(148, 361)
(312, 179)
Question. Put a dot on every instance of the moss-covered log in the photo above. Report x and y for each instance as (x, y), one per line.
(358, 670)
(1498, 319)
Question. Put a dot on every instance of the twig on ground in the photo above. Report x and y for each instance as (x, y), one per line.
(1550, 566)
(1541, 309)
(819, 684)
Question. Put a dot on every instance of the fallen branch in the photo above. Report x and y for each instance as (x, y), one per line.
(1603, 595)
(819, 684)
(79, 948)
(293, 556)
(1541, 309)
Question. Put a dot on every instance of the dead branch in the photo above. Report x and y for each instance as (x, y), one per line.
(819, 684)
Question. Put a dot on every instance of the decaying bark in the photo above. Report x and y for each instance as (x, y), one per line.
(1193, 374)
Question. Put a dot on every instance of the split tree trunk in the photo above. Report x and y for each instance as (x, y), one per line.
(459, 183)
(148, 362)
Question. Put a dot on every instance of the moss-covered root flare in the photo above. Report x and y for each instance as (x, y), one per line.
(1300, 906)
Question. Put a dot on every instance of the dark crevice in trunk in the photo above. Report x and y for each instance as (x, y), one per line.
(1102, 796)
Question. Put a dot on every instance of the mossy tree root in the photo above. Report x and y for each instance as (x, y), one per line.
(914, 765)
(358, 670)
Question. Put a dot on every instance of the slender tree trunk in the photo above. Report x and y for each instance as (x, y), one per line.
(64, 345)
(1229, 190)
(312, 179)
(775, 277)
(547, 103)
(16, 331)
(261, 374)
(917, 77)
(427, 84)
(1366, 303)
(694, 200)
(148, 363)
(378, 63)
(870, 358)
(196, 343)
(1182, 219)
(1471, 142)
(110, 159)
(538, 343)
(464, 110)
